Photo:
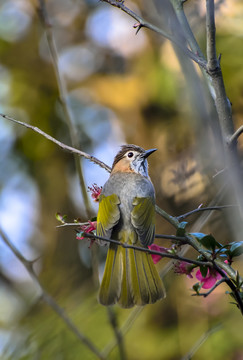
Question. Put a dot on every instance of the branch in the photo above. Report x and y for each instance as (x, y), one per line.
(149, 251)
(234, 289)
(63, 97)
(212, 289)
(48, 299)
(221, 267)
(209, 208)
(189, 36)
(59, 143)
(237, 134)
(133, 315)
(180, 239)
(224, 111)
(117, 332)
(171, 219)
(146, 24)
(212, 63)
(178, 6)
(216, 86)
(200, 342)
(72, 224)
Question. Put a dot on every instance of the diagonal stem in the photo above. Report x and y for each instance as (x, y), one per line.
(205, 294)
(48, 299)
(224, 110)
(211, 32)
(59, 143)
(208, 208)
(149, 251)
(63, 98)
(143, 23)
(118, 333)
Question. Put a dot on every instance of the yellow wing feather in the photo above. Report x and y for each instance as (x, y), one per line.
(108, 214)
(143, 219)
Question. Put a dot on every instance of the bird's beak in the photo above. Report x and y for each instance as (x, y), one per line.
(148, 152)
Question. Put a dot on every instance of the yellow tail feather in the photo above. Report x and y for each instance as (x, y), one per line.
(111, 283)
(130, 278)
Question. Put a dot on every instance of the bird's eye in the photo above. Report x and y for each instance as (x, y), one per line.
(130, 154)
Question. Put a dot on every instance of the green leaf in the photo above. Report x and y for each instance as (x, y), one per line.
(204, 270)
(78, 220)
(238, 282)
(61, 218)
(197, 287)
(223, 250)
(198, 235)
(208, 241)
(236, 249)
(181, 229)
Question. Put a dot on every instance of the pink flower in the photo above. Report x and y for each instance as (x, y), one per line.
(156, 257)
(95, 191)
(210, 279)
(87, 229)
(182, 267)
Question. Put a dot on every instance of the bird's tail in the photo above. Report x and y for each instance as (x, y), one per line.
(130, 278)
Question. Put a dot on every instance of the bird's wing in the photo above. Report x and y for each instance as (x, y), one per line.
(143, 219)
(108, 214)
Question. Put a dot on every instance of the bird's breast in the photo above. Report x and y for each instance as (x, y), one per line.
(128, 186)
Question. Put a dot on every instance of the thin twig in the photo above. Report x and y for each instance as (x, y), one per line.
(171, 219)
(118, 334)
(178, 6)
(209, 208)
(223, 106)
(59, 143)
(157, 236)
(193, 241)
(189, 36)
(205, 294)
(149, 251)
(237, 134)
(221, 267)
(200, 342)
(212, 61)
(72, 224)
(48, 299)
(148, 25)
(231, 285)
(133, 315)
(180, 239)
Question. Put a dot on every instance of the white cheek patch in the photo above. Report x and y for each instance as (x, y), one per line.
(140, 167)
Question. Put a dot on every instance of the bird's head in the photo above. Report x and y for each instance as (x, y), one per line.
(132, 158)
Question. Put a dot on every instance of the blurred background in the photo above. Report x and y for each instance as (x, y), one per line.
(121, 88)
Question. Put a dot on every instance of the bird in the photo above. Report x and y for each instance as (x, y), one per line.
(127, 214)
